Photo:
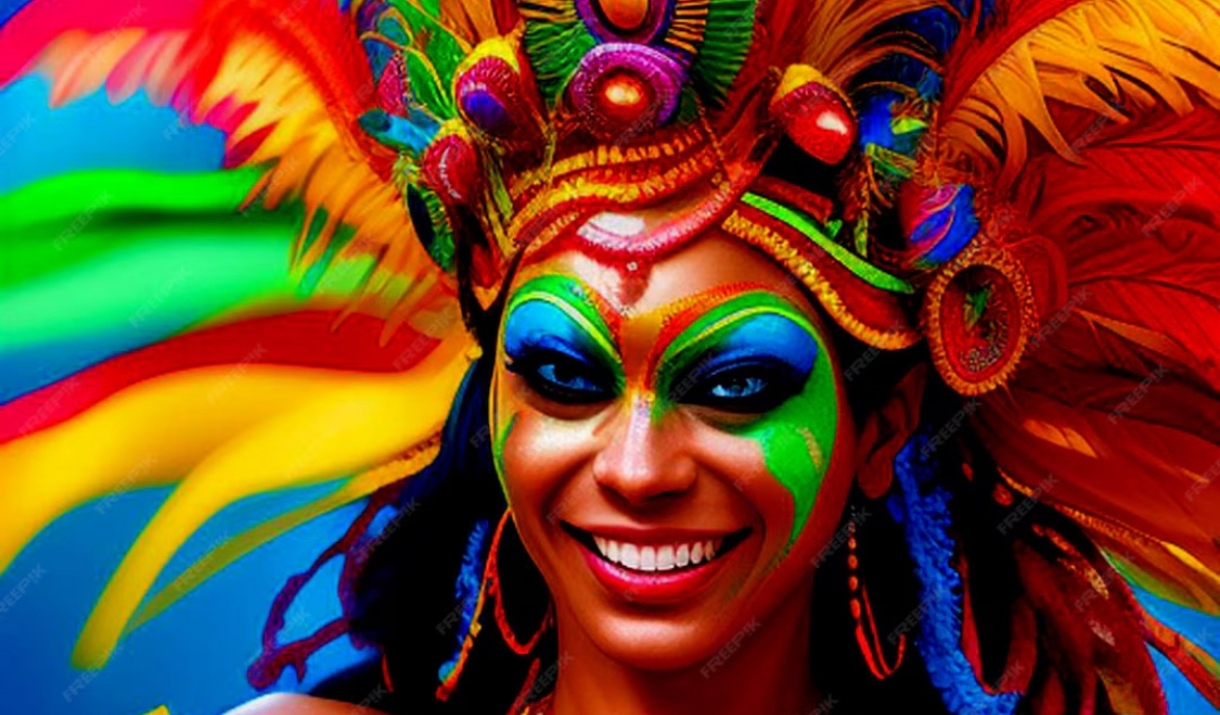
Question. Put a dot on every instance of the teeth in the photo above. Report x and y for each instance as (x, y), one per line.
(630, 556)
(665, 558)
(641, 557)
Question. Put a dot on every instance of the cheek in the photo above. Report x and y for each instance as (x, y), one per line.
(534, 454)
(798, 442)
(738, 461)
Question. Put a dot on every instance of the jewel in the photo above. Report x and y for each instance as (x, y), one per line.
(980, 312)
(451, 166)
(624, 97)
(624, 15)
(493, 97)
(626, 89)
(814, 114)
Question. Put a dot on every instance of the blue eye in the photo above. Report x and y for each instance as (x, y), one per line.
(738, 387)
(562, 378)
(753, 369)
(750, 388)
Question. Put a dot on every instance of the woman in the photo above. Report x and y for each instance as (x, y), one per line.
(699, 248)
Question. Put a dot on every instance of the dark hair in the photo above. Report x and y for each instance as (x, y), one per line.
(406, 597)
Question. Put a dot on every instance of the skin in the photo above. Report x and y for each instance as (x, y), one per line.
(649, 456)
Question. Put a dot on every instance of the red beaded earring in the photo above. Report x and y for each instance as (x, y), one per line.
(862, 611)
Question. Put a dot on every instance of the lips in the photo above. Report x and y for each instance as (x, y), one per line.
(656, 567)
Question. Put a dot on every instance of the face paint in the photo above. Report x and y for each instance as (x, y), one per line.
(737, 348)
(729, 357)
(555, 335)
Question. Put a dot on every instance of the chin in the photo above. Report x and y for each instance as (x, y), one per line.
(663, 645)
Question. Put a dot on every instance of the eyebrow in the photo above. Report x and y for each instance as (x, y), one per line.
(579, 302)
(750, 300)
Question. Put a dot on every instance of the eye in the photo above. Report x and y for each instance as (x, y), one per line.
(752, 388)
(562, 378)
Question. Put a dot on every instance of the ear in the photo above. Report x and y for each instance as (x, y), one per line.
(885, 432)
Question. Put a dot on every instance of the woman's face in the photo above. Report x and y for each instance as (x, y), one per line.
(674, 446)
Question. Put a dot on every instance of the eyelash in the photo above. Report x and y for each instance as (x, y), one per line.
(535, 366)
(761, 386)
(768, 384)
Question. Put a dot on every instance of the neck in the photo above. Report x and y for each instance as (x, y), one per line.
(764, 668)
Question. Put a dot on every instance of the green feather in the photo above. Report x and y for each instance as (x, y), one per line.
(442, 248)
(726, 40)
(424, 84)
(443, 49)
(555, 42)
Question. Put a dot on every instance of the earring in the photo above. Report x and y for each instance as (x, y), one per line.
(490, 586)
(496, 589)
(862, 610)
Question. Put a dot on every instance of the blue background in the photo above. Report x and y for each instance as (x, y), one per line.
(193, 657)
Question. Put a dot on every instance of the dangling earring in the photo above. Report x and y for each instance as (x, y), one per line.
(490, 585)
(494, 587)
(862, 610)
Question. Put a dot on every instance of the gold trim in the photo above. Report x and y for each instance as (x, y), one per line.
(779, 248)
(1011, 268)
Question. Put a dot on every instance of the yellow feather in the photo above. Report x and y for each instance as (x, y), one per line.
(1144, 52)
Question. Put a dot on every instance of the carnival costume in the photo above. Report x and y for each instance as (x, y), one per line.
(1023, 195)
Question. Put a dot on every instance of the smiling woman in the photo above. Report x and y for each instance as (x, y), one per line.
(695, 356)
(662, 453)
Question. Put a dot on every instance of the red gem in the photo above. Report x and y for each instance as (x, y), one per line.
(451, 168)
(817, 119)
(624, 97)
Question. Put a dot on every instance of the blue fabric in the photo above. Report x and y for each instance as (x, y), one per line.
(924, 508)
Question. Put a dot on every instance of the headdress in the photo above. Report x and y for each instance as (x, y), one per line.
(1027, 189)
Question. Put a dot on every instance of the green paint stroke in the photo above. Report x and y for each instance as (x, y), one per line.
(804, 223)
(499, 440)
(796, 438)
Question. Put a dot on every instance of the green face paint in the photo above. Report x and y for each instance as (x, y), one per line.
(765, 338)
(751, 352)
(556, 337)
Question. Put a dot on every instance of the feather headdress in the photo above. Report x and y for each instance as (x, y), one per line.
(1029, 189)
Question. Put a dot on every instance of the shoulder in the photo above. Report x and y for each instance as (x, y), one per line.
(289, 704)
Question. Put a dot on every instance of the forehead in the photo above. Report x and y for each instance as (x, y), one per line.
(699, 267)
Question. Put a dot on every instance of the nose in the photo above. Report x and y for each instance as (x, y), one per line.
(643, 462)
